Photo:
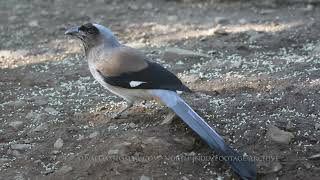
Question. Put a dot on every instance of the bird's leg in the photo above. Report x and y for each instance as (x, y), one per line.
(122, 110)
(169, 118)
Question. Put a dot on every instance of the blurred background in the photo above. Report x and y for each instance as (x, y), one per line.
(254, 66)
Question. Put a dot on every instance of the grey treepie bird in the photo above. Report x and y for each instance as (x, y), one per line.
(129, 74)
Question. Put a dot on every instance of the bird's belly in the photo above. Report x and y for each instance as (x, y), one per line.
(131, 95)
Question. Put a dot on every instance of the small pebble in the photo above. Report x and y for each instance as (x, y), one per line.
(64, 169)
(41, 127)
(56, 152)
(58, 144)
(113, 151)
(16, 124)
(94, 134)
(143, 177)
(221, 20)
(33, 23)
(51, 111)
(279, 136)
(21, 147)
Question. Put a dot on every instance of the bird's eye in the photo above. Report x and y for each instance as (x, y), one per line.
(89, 29)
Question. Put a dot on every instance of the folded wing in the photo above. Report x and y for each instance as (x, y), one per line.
(133, 71)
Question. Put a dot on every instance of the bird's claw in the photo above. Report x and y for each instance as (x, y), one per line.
(169, 118)
(116, 115)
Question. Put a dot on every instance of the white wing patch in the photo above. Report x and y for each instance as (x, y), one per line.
(135, 83)
(179, 92)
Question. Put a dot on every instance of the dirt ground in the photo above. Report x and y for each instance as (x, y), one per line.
(259, 66)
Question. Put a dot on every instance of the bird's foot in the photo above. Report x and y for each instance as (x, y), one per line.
(119, 115)
(169, 118)
(122, 112)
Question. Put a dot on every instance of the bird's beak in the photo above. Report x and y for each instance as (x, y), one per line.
(72, 31)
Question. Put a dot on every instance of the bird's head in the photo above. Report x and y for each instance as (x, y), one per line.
(93, 35)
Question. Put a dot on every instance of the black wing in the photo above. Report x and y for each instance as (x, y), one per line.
(155, 77)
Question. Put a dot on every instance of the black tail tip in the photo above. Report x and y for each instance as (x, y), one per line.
(243, 166)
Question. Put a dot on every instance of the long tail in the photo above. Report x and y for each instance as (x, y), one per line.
(246, 169)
